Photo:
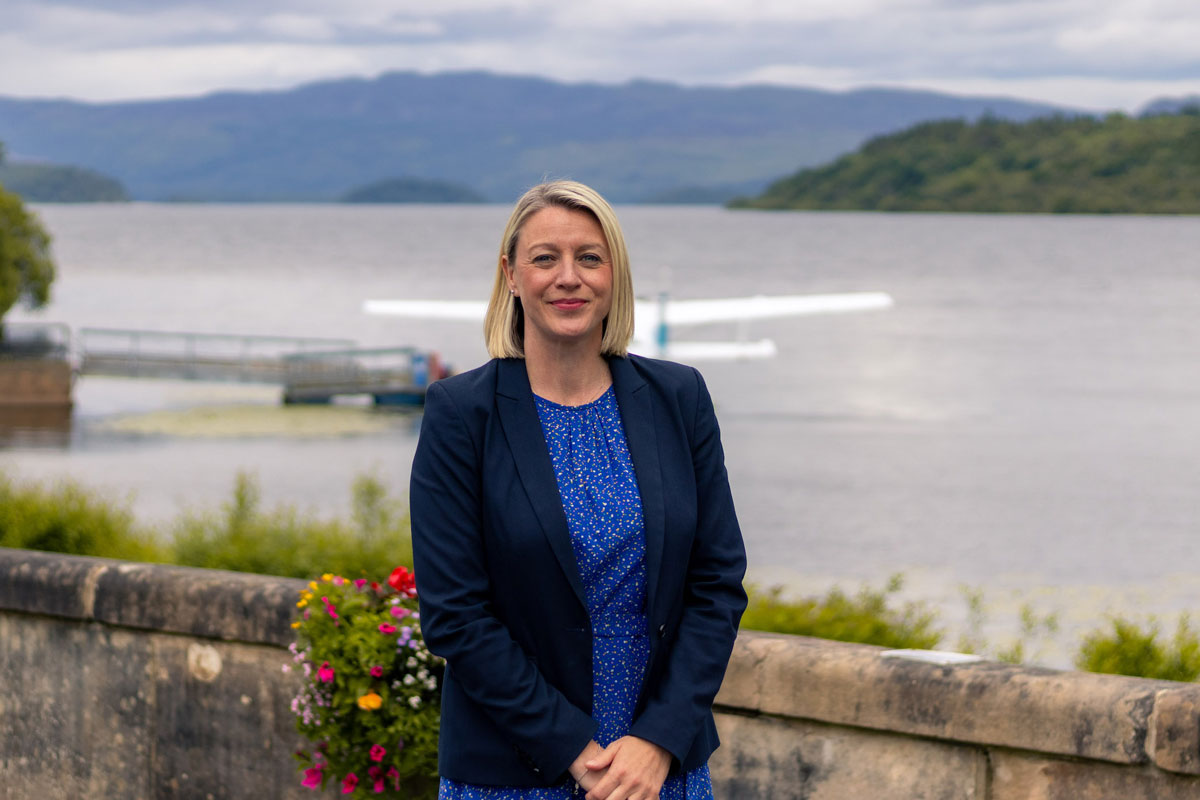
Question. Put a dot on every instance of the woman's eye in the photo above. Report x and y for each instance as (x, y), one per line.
(544, 258)
(590, 258)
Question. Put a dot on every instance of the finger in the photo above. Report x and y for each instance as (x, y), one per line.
(604, 788)
(603, 759)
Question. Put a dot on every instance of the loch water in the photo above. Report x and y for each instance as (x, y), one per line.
(1025, 419)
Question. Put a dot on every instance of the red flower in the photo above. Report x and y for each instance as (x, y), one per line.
(379, 786)
(325, 673)
(349, 782)
(402, 581)
(376, 671)
(387, 628)
(360, 582)
(394, 774)
(377, 752)
(312, 778)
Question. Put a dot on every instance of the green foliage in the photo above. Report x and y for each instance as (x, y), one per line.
(866, 617)
(67, 518)
(1034, 628)
(26, 267)
(282, 541)
(370, 701)
(1053, 164)
(1131, 649)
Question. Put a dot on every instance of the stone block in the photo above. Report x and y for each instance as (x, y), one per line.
(762, 757)
(49, 583)
(200, 602)
(222, 712)
(1103, 717)
(1175, 729)
(75, 710)
(1024, 776)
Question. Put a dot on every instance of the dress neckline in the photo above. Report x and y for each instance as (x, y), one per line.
(590, 404)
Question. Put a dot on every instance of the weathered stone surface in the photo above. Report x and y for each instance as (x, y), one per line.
(1103, 717)
(1021, 776)
(1175, 729)
(75, 708)
(201, 602)
(793, 760)
(49, 583)
(224, 710)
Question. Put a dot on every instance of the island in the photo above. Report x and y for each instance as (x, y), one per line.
(413, 190)
(1061, 164)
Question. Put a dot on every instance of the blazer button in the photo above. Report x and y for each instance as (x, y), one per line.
(662, 630)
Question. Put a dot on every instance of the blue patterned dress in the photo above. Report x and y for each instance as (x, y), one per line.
(604, 514)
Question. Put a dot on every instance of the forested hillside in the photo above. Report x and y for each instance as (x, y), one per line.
(1117, 164)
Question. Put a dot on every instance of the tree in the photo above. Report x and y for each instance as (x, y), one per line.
(26, 267)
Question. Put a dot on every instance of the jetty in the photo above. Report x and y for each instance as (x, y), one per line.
(308, 369)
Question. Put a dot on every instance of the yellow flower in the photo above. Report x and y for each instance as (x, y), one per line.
(370, 701)
(302, 602)
(296, 624)
(328, 576)
(312, 585)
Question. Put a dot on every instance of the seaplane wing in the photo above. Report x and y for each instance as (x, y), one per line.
(737, 309)
(653, 318)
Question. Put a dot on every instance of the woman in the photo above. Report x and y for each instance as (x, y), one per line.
(577, 555)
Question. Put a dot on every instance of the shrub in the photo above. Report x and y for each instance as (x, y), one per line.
(65, 517)
(1131, 649)
(282, 541)
(370, 700)
(866, 617)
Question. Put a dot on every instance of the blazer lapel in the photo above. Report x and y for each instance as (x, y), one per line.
(523, 429)
(637, 415)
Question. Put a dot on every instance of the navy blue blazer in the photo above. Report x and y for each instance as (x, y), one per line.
(500, 592)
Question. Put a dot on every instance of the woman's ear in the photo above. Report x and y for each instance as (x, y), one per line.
(508, 275)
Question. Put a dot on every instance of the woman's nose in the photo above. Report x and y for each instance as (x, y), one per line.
(567, 274)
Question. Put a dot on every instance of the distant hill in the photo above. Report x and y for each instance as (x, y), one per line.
(52, 183)
(498, 134)
(412, 190)
(1061, 164)
(1171, 105)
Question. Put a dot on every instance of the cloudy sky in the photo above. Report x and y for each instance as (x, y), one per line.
(1097, 54)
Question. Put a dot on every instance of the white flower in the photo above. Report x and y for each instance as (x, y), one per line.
(412, 662)
(414, 701)
(409, 680)
(422, 674)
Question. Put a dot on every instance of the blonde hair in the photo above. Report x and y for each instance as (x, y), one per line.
(504, 326)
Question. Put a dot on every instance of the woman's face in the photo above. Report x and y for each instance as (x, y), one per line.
(562, 272)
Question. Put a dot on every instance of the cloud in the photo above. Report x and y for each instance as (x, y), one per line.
(1069, 51)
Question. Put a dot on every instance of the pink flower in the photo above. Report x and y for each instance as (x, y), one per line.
(399, 612)
(312, 778)
(325, 673)
(379, 786)
(387, 628)
(377, 752)
(376, 671)
(338, 580)
(361, 582)
(349, 782)
(374, 771)
(394, 774)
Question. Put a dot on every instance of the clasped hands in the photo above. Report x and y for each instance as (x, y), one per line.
(628, 769)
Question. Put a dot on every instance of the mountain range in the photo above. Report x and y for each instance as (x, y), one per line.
(497, 134)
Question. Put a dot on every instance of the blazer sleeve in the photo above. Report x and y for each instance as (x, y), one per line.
(713, 602)
(454, 592)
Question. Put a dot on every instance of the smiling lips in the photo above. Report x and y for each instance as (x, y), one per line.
(570, 304)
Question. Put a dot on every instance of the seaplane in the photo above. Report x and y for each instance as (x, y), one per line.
(655, 318)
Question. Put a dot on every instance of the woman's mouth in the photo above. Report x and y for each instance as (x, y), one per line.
(569, 304)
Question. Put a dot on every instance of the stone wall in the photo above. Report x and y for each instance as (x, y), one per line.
(142, 681)
(35, 382)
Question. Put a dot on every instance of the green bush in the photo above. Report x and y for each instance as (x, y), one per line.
(1128, 648)
(865, 617)
(245, 538)
(65, 517)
